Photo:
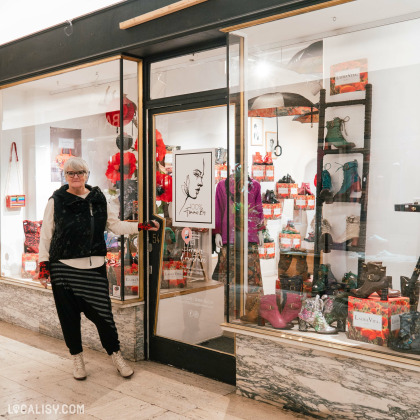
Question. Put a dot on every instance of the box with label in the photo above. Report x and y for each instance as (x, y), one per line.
(284, 190)
(269, 173)
(174, 274)
(270, 250)
(30, 266)
(374, 321)
(220, 172)
(272, 211)
(289, 240)
(258, 172)
(300, 202)
(310, 202)
(262, 252)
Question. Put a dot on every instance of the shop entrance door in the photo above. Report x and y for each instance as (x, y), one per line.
(187, 298)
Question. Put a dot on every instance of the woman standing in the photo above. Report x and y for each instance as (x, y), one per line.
(72, 254)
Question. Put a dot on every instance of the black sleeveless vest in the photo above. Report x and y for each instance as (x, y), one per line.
(79, 224)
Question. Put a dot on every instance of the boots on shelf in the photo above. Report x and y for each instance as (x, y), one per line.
(252, 307)
(375, 281)
(257, 159)
(287, 179)
(408, 340)
(351, 235)
(311, 315)
(335, 129)
(292, 306)
(326, 194)
(351, 187)
(305, 189)
(268, 159)
(364, 272)
(290, 228)
(267, 237)
(325, 240)
(336, 309)
(269, 311)
(349, 280)
(410, 289)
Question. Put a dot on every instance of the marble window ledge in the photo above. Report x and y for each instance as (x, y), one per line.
(34, 286)
(302, 340)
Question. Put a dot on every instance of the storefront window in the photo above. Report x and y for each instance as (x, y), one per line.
(47, 121)
(329, 245)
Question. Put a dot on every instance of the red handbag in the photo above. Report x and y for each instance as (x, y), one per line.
(15, 200)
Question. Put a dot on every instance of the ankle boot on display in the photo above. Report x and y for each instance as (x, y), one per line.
(252, 307)
(268, 160)
(320, 285)
(257, 159)
(349, 280)
(291, 307)
(267, 237)
(336, 309)
(375, 281)
(290, 228)
(350, 190)
(335, 129)
(408, 340)
(269, 311)
(305, 189)
(411, 289)
(325, 240)
(311, 315)
(326, 186)
(287, 179)
(351, 234)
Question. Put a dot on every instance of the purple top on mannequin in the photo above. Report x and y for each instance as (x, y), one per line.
(255, 211)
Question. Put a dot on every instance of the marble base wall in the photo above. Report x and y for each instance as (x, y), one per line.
(322, 385)
(34, 309)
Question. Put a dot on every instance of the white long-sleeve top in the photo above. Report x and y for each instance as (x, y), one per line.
(113, 224)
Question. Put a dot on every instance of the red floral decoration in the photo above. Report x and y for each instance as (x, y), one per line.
(160, 147)
(113, 171)
(165, 182)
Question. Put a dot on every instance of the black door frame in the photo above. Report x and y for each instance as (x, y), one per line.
(212, 364)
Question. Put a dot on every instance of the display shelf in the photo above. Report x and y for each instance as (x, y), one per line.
(194, 287)
(409, 208)
(346, 103)
(358, 150)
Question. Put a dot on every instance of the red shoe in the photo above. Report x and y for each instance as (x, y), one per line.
(305, 189)
(257, 159)
(268, 160)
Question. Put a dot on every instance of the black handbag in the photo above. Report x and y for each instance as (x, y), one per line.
(294, 283)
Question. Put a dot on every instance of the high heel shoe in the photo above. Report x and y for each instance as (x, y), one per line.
(269, 311)
(351, 234)
(350, 190)
(311, 315)
(375, 281)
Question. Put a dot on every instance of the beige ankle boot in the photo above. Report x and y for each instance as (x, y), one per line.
(352, 231)
(79, 371)
(121, 365)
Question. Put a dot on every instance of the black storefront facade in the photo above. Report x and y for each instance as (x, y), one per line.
(282, 278)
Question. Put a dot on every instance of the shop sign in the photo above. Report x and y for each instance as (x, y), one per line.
(350, 76)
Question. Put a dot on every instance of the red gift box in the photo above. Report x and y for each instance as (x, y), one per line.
(269, 173)
(30, 266)
(272, 211)
(374, 321)
(286, 190)
(310, 202)
(300, 202)
(289, 240)
(174, 274)
(258, 172)
(270, 250)
(262, 252)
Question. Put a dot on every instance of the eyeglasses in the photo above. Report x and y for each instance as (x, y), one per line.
(72, 174)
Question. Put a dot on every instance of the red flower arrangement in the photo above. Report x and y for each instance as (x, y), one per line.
(164, 181)
(160, 147)
(113, 170)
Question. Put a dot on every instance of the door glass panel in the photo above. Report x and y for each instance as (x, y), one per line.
(190, 159)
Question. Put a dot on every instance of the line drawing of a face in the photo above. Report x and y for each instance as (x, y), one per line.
(192, 184)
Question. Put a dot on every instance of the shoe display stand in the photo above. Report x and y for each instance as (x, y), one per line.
(322, 153)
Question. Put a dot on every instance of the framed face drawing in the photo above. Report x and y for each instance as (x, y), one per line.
(270, 142)
(193, 188)
(257, 131)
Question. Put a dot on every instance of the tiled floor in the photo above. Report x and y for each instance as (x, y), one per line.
(36, 376)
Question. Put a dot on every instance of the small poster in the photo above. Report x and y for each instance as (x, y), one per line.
(349, 76)
(193, 188)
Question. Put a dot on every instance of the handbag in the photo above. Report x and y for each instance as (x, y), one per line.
(62, 158)
(294, 283)
(15, 200)
(32, 231)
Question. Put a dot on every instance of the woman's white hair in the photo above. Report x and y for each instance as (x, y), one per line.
(77, 164)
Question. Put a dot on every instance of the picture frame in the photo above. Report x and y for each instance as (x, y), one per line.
(270, 142)
(257, 131)
(193, 188)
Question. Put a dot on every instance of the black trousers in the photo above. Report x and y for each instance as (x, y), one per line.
(76, 291)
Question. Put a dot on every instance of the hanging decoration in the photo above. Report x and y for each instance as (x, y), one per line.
(129, 110)
(113, 170)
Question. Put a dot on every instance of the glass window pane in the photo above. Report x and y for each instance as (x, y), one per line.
(168, 77)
